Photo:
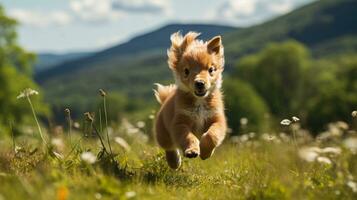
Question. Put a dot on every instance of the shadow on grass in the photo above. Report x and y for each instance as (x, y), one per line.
(156, 170)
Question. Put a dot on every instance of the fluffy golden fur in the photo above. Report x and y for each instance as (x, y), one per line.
(191, 117)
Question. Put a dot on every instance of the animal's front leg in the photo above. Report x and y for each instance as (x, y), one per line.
(212, 138)
(186, 140)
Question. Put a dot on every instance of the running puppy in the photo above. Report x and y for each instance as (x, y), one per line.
(191, 117)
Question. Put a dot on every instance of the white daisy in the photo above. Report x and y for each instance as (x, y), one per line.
(88, 157)
(26, 93)
(285, 122)
(295, 119)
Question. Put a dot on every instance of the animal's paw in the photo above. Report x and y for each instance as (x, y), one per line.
(173, 159)
(207, 147)
(192, 152)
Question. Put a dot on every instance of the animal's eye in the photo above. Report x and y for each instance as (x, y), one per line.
(211, 70)
(187, 72)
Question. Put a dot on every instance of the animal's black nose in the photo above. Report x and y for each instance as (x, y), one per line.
(199, 85)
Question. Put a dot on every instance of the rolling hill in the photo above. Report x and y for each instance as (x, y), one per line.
(45, 61)
(327, 27)
(150, 43)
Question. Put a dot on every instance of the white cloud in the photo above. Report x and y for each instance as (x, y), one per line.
(142, 6)
(92, 11)
(281, 8)
(243, 8)
(41, 19)
(247, 12)
(112, 10)
(95, 10)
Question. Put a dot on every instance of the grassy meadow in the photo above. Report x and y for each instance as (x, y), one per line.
(90, 160)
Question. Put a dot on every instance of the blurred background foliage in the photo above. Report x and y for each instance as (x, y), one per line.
(15, 76)
(292, 83)
(242, 101)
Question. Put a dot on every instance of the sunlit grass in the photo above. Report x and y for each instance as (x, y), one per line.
(275, 165)
(260, 167)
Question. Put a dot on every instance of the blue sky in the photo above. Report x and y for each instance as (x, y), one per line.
(88, 25)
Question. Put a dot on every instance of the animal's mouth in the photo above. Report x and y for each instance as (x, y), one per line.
(200, 93)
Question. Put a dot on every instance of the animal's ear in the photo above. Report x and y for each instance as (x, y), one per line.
(188, 39)
(214, 45)
(179, 44)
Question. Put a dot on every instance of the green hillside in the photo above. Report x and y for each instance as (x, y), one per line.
(152, 43)
(45, 61)
(327, 27)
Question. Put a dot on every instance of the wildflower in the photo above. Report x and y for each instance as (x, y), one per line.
(352, 185)
(351, 144)
(252, 134)
(324, 160)
(76, 125)
(295, 119)
(67, 111)
(151, 116)
(244, 138)
(62, 193)
(98, 195)
(102, 93)
(335, 130)
(354, 114)
(58, 143)
(342, 125)
(331, 150)
(243, 121)
(26, 93)
(132, 131)
(130, 194)
(18, 149)
(122, 143)
(285, 122)
(140, 124)
(89, 117)
(309, 154)
(88, 157)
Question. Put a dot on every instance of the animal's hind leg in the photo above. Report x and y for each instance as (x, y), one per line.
(173, 159)
(163, 138)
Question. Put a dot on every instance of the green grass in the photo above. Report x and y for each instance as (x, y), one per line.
(264, 167)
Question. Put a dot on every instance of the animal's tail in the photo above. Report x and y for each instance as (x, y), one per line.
(162, 92)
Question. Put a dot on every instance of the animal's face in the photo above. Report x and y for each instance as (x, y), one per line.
(197, 66)
(199, 72)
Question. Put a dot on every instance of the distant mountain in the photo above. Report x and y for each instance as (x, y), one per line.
(155, 41)
(327, 27)
(46, 61)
